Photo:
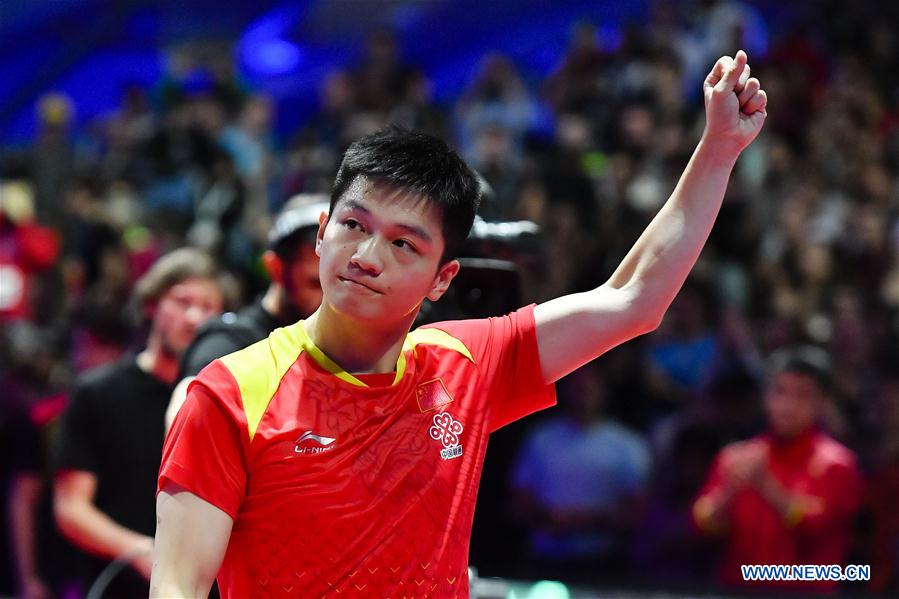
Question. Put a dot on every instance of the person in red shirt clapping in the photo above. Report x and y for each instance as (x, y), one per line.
(789, 495)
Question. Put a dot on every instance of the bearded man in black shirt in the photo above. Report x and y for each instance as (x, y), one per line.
(106, 456)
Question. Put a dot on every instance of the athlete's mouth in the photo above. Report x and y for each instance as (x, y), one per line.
(357, 283)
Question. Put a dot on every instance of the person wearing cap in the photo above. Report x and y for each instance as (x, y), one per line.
(294, 293)
(789, 495)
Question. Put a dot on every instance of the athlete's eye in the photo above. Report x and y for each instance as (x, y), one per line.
(352, 224)
(404, 244)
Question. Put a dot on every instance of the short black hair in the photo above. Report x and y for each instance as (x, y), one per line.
(420, 163)
(807, 360)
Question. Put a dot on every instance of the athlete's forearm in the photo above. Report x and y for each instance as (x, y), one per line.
(659, 262)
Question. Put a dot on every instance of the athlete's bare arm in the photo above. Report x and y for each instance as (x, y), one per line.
(191, 538)
(574, 329)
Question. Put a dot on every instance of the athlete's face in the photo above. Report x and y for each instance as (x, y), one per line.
(380, 254)
(792, 403)
(183, 308)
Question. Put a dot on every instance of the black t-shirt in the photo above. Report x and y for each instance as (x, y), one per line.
(19, 454)
(225, 335)
(114, 427)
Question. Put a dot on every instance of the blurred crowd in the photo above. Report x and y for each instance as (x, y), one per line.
(804, 252)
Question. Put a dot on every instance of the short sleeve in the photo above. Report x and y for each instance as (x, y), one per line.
(205, 449)
(505, 350)
(75, 446)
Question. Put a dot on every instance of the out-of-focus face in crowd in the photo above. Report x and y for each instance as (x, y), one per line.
(183, 308)
(792, 403)
(301, 281)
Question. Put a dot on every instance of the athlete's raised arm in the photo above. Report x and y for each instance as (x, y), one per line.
(191, 538)
(574, 329)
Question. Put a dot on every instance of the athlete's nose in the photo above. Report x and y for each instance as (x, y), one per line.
(367, 258)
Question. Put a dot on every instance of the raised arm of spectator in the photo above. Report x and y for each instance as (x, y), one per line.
(574, 329)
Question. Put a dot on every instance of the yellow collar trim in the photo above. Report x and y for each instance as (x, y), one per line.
(334, 368)
(430, 336)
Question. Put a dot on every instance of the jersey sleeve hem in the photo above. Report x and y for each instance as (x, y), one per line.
(180, 476)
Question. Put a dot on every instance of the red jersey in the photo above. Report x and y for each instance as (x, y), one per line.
(342, 487)
(813, 465)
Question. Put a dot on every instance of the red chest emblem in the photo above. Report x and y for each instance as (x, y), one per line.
(432, 395)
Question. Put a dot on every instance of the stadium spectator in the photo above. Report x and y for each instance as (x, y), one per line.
(110, 439)
(580, 483)
(788, 496)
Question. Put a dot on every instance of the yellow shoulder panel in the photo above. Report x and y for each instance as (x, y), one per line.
(436, 337)
(259, 368)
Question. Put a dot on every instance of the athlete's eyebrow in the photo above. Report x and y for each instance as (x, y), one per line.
(354, 205)
(411, 229)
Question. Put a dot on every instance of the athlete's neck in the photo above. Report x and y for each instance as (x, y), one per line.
(359, 348)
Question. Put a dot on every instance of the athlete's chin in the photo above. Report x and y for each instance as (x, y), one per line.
(362, 309)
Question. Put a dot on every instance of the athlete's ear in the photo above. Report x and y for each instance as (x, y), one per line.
(445, 275)
(322, 224)
(274, 266)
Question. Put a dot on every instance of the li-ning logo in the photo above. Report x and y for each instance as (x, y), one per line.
(309, 442)
(448, 432)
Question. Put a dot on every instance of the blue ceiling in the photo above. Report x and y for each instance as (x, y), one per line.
(91, 49)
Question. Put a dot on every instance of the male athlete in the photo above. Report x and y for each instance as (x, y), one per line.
(340, 456)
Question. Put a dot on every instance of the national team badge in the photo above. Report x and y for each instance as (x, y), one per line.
(432, 395)
(448, 431)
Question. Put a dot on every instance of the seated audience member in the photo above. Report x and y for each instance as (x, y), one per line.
(579, 482)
